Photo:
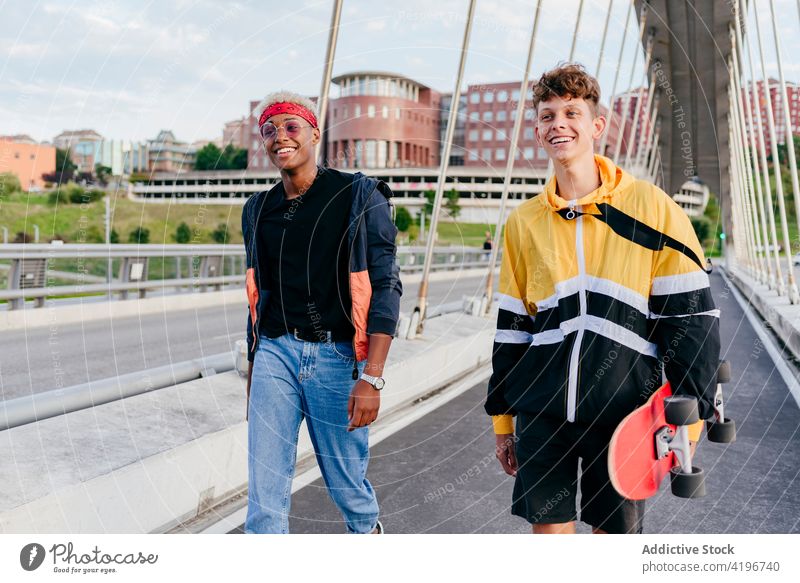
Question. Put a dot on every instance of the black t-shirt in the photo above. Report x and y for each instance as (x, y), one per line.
(305, 254)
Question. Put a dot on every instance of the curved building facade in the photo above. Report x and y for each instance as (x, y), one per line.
(382, 120)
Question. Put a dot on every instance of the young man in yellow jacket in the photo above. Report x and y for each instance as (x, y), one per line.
(602, 287)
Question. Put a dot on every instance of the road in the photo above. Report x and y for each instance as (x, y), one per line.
(42, 359)
(439, 475)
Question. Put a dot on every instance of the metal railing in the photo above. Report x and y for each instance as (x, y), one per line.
(31, 275)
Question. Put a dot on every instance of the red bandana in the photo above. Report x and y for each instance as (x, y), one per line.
(286, 107)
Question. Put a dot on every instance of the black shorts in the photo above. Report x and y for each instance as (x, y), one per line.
(547, 476)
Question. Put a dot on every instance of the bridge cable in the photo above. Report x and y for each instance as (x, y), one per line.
(762, 151)
(626, 107)
(794, 296)
(773, 262)
(604, 140)
(603, 40)
(787, 119)
(422, 296)
(324, 91)
(631, 145)
(743, 154)
(512, 150)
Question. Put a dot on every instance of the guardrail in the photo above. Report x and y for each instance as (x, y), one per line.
(32, 275)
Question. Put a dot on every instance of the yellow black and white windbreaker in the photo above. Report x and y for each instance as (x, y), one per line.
(592, 307)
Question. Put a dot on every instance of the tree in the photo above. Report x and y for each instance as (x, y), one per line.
(430, 196)
(113, 236)
(103, 173)
(65, 168)
(139, 235)
(9, 184)
(452, 203)
(208, 158)
(183, 234)
(402, 219)
(220, 234)
(235, 158)
(702, 228)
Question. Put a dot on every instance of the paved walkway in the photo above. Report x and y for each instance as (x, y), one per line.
(439, 475)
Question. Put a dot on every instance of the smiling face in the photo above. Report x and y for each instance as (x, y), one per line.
(566, 128)
(292, 152)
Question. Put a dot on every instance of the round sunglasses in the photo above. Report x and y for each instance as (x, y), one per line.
(269, 131)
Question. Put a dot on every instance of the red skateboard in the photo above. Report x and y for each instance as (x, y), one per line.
(653, 442)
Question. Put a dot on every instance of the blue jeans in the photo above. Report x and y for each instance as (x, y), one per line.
(295, 380)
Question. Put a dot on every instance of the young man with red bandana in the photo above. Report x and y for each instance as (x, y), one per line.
(602, 286)
(323, 290)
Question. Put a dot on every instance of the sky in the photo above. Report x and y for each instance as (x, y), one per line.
(129, 69)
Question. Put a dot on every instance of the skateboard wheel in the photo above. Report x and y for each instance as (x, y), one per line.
(687, 485)
(721, 431)
(679, 410)
(724, 372)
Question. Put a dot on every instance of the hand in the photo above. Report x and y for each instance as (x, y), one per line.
(504, 449)
(362, 408)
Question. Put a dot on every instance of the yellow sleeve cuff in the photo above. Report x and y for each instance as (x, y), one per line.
(503, 424)
(695, 430)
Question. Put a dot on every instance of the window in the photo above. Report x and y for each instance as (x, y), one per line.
(371, 155)
(397, 113)
(335, 111)
(529, 153)
(385, 112)
(488, 97)
(487, 135)
(529, 114)
(473, 155)
(475, 97)
(501, 116)
(359, 154)
(473, 135)
(513, 114)
(474, 116)
(500, 154)
(370, 110)
(527, 134)
(256, 145)
(541, 153)
(487, 154)
(502, 96)
(515, 95)
(357, 111)
(488, 116)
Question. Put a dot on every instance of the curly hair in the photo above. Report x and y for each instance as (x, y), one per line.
(567, 80)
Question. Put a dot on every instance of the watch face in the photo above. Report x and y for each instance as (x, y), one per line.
(379, 383)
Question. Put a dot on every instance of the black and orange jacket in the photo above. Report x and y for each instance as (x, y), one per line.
(375, 287)
(591, 312)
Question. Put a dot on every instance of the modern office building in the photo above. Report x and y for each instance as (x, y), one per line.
(491, 112)
(692, 197)
(383, 120)
(167, 154)
(82, 145)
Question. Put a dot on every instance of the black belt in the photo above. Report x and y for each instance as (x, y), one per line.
(311, 335)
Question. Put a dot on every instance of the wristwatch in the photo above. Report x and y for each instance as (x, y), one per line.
(376, 382)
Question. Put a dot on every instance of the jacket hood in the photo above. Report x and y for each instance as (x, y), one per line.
(613, 179)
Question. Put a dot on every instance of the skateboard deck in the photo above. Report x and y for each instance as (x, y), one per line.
(635, 470)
